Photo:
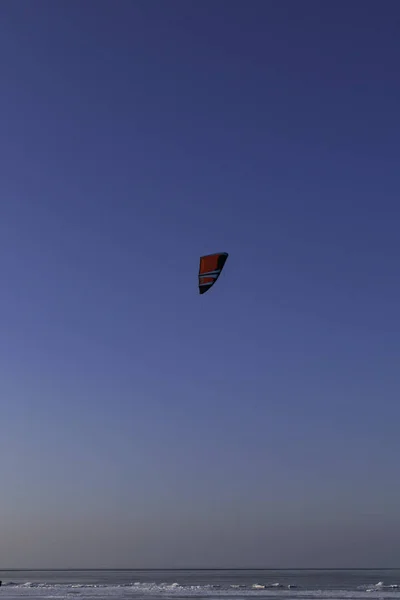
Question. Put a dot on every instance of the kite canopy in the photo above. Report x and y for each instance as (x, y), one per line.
(210, 269)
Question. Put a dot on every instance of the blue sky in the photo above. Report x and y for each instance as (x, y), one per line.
(144, 425)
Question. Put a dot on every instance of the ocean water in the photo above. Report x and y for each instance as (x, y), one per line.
(213, 584)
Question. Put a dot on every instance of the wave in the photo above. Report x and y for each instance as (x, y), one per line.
(379, 591)
(381, 586)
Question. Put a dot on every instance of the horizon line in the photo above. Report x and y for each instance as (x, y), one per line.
(53, 569)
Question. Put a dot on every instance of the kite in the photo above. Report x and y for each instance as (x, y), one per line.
(210, 269)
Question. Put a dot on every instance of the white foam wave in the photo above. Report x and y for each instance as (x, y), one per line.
(381, 586)
(125, 591)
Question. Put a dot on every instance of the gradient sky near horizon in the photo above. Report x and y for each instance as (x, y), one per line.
(141, 424)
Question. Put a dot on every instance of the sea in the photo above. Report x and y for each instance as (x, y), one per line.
(209, 584)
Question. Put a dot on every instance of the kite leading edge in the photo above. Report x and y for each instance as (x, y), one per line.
(210, 269)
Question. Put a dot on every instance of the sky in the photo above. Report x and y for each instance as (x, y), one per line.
(144, 425)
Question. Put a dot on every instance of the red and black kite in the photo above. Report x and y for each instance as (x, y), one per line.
(210, 269)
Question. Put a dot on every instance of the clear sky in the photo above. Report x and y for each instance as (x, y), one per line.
(142, 424)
